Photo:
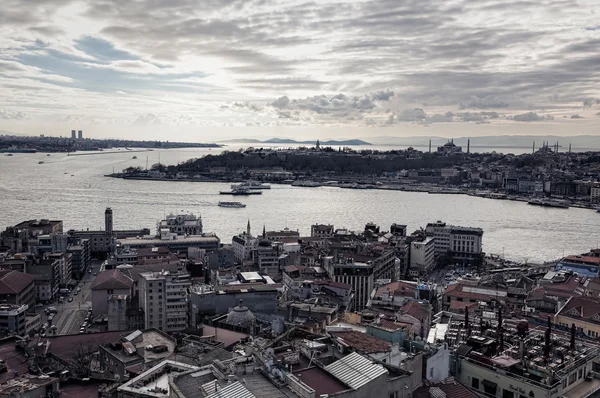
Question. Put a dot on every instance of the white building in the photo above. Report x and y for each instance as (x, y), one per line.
(182, 224)
(460, 242)
(422, 256)
(595, 194)
(164, 298)
(321, 231)
(243, 244)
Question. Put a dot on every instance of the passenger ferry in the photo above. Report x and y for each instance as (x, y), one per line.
(548, 203)
(235, 205)
(241, 192)
(251, 185)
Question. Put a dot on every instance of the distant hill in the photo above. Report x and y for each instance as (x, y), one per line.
(288, 141)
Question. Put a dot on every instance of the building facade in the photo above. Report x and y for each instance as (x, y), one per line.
(164, 298)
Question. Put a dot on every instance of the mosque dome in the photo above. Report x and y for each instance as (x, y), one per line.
(240, 316)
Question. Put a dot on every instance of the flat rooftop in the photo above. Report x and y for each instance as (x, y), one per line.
(155, 381)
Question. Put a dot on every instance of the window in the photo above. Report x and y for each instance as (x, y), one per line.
(393, 395)
(475, 383)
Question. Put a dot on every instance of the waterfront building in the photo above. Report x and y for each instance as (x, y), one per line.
(286, 235)
(181, 224)
(164, 299)
(595, 194)
(22, 237)
(422, 256)
(322, 231)
(459, 243)
(175, 243)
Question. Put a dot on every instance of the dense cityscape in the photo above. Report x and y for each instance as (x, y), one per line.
(299, 199)
(326, 312)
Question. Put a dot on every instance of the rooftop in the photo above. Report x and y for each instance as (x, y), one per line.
(25, 383)
(112, 279)
(155, 381)
(355, 370)
(320, 381)
(13, 282)
(361, 342)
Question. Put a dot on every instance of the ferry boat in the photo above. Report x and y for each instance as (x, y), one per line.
(41, 162)
(251, 185)
(135, 157)
(235, 205)
(548, 203)
(241, 192)
(307, 184)
(8, 154)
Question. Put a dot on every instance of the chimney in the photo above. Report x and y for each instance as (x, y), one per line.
(572, 345)
(499, 331)
(467, 324)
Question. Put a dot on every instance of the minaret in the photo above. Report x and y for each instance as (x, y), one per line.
(533, 147)
(108, 221)
(468, 145)
(430, 145)
(264, 235)
(248, 228)
(569, 147)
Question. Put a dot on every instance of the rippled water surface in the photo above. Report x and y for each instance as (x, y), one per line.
(74, 189)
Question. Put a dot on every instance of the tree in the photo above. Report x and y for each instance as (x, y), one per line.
(81, 357)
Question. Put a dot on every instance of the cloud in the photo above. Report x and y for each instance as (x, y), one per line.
(412, 115)
(276, 58)
(530, 117)
(8, 115)
(487, 102)
(281, 102)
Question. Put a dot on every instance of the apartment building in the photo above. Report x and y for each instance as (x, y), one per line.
(164, 297)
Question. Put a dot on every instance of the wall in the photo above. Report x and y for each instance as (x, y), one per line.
(100, 299)
(437, 367)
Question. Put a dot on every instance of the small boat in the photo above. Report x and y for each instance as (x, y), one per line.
(8, 154)
(41, 162)
(48, 154)
(241, 192)
(235, 205)
(135, 157)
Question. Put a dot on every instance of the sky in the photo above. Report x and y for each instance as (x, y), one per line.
(205, 70)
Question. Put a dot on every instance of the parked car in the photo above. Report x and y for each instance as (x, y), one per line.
(70, 299)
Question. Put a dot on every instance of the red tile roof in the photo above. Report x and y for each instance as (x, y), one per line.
(392, 326)
(416, 309)
(362, 342)
(13, 282)
(112, 279)
(584, 259)
(583, 308)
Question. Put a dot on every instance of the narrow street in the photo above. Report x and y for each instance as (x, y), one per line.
(71, 314)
